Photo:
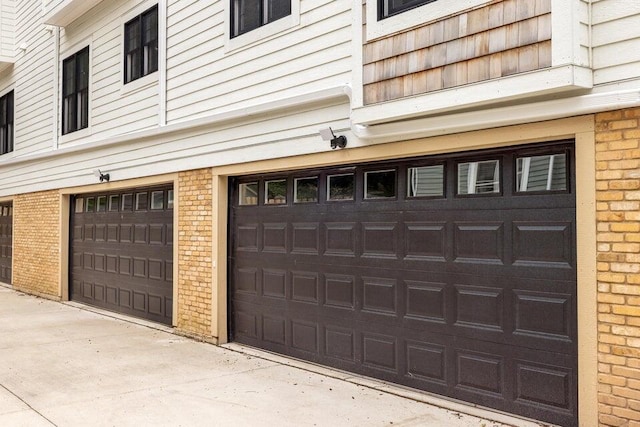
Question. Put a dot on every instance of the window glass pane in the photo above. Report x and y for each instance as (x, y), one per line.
(542, 173)
(340, 187)
(248, 194)
(425, 181)
(276, 192)
(170, 199)
(91, 204)
(279, 9)
(102, 204)
(79, 205)
(127, 202)
(306, 190)
(246, 15)
(114, 202)
(380, 184)
(393, 7)
(157, 200)
(141, 201)
(479, 177)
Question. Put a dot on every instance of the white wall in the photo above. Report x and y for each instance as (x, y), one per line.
(616, 40)
(204, 77)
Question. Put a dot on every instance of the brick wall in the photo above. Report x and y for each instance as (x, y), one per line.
(618, 227)
(195, 272)
(36, 243)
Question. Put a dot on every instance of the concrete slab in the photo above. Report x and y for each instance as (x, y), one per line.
(65, 366)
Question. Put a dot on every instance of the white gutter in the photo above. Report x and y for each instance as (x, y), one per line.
(293, 102)
(497, 117)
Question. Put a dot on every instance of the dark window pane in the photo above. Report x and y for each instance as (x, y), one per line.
(276, 192)
(170, 199)
(102, 204)
(340, 187)
(127, 202)
(248, 194)
(306, 190)
(380, 184)
(141, 45)
(91, 204)
(388, 8)
(75, 90)
(6, 123)
(157, 200)
(542, 173)
(425, 181)
(114, 202)
(247, 15)
(479, 177)
(142, 201)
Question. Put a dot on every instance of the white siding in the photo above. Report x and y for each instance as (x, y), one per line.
(32, 77)
(113, 108)
(7, 28)
(203, 78)
(616, 40)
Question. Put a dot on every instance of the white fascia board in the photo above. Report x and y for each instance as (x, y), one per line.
(68, 11)
(498, 117)
(520, 86)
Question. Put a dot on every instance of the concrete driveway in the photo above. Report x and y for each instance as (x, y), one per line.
(67, 366)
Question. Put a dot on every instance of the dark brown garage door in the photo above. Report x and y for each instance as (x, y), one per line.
(122, 252)
(452, 274)
(6, 241)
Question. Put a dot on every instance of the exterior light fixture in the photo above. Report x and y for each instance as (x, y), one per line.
(336, 141)
(103, 177)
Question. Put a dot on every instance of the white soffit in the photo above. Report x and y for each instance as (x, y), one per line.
(67, 11)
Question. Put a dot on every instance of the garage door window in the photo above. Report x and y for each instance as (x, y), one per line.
(170, 199)
(305, 190)
(127, 202)
(479, 177)
(425, 181)
(542, 173)
(114, 203)
(248, 194)
(340, 187)
(157, 200)
(380, 184)
(142, 199)
(79, 205)
(276, 192)
(102, 204)
(91, 204)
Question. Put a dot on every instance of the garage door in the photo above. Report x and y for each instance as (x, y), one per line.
(6, 241)
(452, 274)
(122, 252)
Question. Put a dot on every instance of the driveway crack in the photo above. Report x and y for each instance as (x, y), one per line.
(29, 406)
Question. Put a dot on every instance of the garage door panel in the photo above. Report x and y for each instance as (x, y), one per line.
(122, 259)
(469, 296)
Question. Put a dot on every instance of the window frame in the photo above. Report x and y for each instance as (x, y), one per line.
(412, 17)
(66, 127)
(383, 4)
(264, 18)
(7, 118)
(260, 34)
(143, 57)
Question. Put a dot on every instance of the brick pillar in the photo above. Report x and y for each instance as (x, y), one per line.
(195, 272)
(36, 243)
(618, 227)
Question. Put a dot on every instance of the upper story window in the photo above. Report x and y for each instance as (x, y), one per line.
(141, 45)
(75, 92)
(6, 123)
(247, 15)
(388, 8)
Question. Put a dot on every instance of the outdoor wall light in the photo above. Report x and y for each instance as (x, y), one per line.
(336, 141)
(101, 176)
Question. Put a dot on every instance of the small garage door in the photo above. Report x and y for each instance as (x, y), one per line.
(452, 274)
(6, 241)
(122, 252)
